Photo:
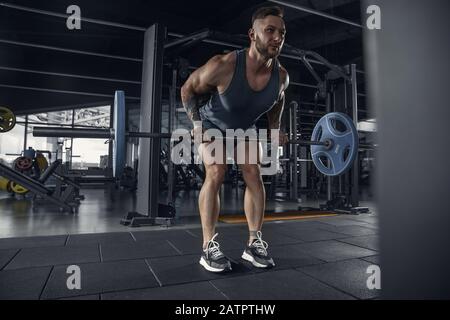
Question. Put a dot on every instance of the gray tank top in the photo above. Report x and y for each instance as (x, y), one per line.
(239, 107)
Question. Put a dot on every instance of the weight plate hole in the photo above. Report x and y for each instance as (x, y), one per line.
(327, 164)
(319, 134)
(339, 126)
(346, 153)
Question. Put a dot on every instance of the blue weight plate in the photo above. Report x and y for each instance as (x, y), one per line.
(119, 145)
(336, 160)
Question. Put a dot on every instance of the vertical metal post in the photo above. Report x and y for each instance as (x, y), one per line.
(294, 152)
(347, 179)
(329, 180)
(149, 149)
(303, 168)
(344, 180)
(110, 145)
(71, 142)
(355, 168)
(25, 134)
(345, 94)
(172, 110)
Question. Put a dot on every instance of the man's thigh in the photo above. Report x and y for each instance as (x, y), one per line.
(248, 153)
(212, 154)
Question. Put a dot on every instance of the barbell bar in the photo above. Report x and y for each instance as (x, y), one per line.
(109, 134)
(91, 133)
(333, 151)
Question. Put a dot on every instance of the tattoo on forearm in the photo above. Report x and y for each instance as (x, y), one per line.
(192, 105)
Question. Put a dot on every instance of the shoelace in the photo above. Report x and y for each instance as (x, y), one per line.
(212, 248)
(260, 245)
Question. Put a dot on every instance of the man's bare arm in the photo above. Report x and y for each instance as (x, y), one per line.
(200, 83)
(274, 114)
(191, 103)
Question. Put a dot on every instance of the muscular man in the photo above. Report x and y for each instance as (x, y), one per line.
(243, 85)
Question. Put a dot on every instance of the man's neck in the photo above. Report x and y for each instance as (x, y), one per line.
(257, 61)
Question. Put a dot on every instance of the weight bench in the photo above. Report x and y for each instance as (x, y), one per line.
(66, 189)
(35, 186)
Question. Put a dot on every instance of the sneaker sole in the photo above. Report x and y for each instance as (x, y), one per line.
(255, 263)
(212, 269)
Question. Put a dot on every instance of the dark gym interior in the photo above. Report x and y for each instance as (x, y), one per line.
(87, 109)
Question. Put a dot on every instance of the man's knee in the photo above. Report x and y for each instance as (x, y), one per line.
(216, 173)
(251, 172)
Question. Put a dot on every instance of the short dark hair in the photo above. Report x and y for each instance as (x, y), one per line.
(263, 12)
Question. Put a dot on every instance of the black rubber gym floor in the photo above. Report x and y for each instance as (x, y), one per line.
(324, 258)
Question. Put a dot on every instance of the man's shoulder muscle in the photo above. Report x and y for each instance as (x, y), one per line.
(284, 78)
(218, 69)
(220, 63)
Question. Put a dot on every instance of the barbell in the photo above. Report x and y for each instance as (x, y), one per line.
(334, 141)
